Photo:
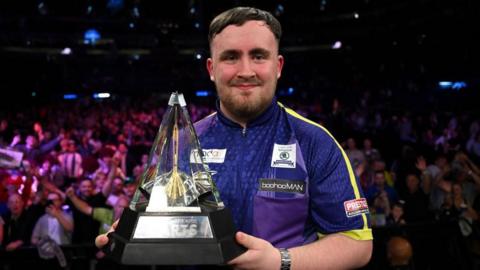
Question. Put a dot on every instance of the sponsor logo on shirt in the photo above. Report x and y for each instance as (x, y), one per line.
(284, 156)
(209, 156)
(355, 207)
(282, 185)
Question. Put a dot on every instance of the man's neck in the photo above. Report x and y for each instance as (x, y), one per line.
(241, 121)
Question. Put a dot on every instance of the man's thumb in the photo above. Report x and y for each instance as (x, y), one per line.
(247, 241)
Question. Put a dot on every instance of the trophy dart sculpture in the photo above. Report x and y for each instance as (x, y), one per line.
(175, 188)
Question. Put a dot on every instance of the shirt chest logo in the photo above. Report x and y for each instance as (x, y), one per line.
(284, 156)
(282, 185)
(209, 156)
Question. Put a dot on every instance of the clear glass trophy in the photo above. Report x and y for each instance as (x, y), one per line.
(176, 216)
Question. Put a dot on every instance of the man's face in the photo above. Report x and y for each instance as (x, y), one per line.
(71, 147)
(117, 185)
(397, 211)
(37, 127)
(245, 67)
(46, 165)
(86, 188)
(379, 178)
(457, 190)
(64, 145)
(441, 162)
(351, 144)
(130, 189)
(367, 144)
(31, 141)
(15, 204)
(144, 158)
(55, 198)
(122, 148)
(3, 125)
(412, 182)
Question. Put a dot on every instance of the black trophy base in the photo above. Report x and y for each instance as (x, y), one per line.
(217, 249)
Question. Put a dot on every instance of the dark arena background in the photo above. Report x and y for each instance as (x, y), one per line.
(396, 82)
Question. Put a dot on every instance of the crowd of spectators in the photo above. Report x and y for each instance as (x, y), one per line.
(83, 159)
(80, 167)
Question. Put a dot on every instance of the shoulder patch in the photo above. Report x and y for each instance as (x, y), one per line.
(355, 207)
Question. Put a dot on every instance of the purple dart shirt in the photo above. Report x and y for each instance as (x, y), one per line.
(284, 178)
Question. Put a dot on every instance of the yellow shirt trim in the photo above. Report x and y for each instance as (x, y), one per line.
(362, 235)
(353, 181)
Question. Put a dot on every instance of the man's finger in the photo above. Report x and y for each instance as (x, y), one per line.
(101, 240)
(114, 226)
(248, 241)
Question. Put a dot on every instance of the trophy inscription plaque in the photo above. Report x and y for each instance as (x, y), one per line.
(176, 216)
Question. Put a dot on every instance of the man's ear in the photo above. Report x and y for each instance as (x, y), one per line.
(280, 62)
(210, 69)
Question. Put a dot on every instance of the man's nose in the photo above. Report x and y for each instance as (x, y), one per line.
(246, 69)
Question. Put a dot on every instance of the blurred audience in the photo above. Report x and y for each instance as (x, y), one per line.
(414, 166)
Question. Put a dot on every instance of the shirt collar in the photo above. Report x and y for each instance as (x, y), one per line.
(268, 114)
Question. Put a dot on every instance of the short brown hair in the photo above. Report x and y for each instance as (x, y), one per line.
(240, 15)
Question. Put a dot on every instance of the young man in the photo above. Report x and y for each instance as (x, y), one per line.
(289, 185)
(55, 223)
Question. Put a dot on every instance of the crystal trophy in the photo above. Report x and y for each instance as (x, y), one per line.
(176, 216)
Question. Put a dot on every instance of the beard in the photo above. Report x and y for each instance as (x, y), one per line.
(245, 106)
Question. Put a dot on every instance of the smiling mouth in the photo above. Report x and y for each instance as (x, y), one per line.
(245, 86)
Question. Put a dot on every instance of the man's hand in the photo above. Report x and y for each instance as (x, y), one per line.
(102, 239)
(360, 168)
(70, 192)
(52, 211)
(260, 254)
(15, 140)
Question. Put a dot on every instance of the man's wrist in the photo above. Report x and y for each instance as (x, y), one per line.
(285, 259)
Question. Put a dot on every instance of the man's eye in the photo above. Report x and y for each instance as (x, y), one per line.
(229, 57)
(258, 56)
